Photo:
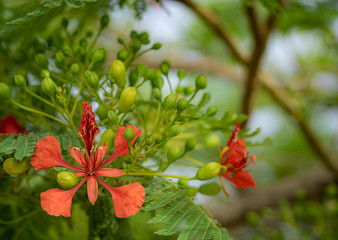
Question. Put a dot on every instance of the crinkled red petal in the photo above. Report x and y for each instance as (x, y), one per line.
(241, 179)
(127, 199)
(236, 152)
(88, 128)
(121, 144)
(10, 125)
(99, 155)
(92, 189)
(110, 172)
(57, 202)
(48, 155)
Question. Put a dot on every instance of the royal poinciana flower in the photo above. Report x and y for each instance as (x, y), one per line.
(127, 199)
(235, 158)
(10, 125)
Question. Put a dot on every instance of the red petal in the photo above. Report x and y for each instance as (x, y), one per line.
(234, 134)
(242, 179)
(110, 172)
(58, 202)
(121, 144)
(80, 174)
(88, 128)
(99, 155)
(127, 199)
(78, 156)
(92, 189)
(236, 152)
(48, 155)
(10, 125)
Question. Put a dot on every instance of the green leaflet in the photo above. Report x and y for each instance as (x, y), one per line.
(8, 145)
(25, 145)
(77, 3)
(179, 213)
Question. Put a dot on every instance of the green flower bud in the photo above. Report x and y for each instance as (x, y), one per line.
(157, 94)
(141, 69)
(209, 189)
(67, 179)
(174, 131)
(104, 21)
(41, 60)
(208, 171)
(133, 77)
(188, 90)
(45, 73)
(149, 141)
(212, 110)
(180, 74)
(129, 134)
(179, 89)
(182, 104)
(127, 99)
(174, 153)
(48, 86)
(212, 140)
(5, 91)
(13, 167)
(149, 74)
(112, 116)
(92, 78)
(170, 101)
(75, 68)
(192, 191)
(164, 69)
(156, 46)
(98, 55)
(118, 71)
(108, 137)
(136, 45)
(102, 112)
(144, 38)
(183, 182)
(201, 82)
(190, 144)
(157, 82)
(196, 116)
(120, 40)
(122, 55)
(133, 34)
(20, 80)
(60, 57)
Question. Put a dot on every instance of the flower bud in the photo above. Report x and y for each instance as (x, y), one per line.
(183, 182)
(136, 45)
(164, 69)
(188, 90)
(104, 21)
(174, 153)
(157, 94)
(75, 68)
(98, 55)
(112, 116)
(20, 80)
(118, 71)
(149, 74)
(41, 60)
(179, 89)
(127, 99)
(170, 101)
(144, 38)
(45, 73)
(174, 131)
(108, 137)
(157, 82)
(192, 191)
(141, 69)
(102, 112)
(182, 104)
(196, 116)
(92, 78)
(180, 74)
(156, 46)
(122, 55)
(15, 168)
(212, 110)
(133, 77)
(60, 57)
(209, 189)
(120, 40)
(212, 140)
(48, 86)
(190, 144)
(129, 134)
(208, 171)
(67, 179)
(201, 82)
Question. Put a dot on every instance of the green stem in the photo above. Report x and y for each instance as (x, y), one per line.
(192, 97)
(19, 218)
(171, 88)
(156, 174)
(75, 101)
(38, 97)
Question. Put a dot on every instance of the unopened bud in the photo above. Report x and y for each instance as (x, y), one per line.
(208, 171)
(174, 153)
(180, 74)
(45, 73)
(183, 182)
(13, 167)
(67, 179)
(118, 71)
(133, 77)
(20, 80)
(157, 82)
(164, 69)
(112, 116)
(188, 90)
(192, 191)
(170, 101)
(108, 137)
(144, 38)
(196, 116)
(141, 69)
(120, 40)
(48, 86)
(122, 55)
(156, 46)
(212, 140)
(41, 60)
(98, 55)
(210, 189)
(104, 21)
(190, 144)
(182, 104)
(201, 82)
(129, 134)
(149, 74)
(127, 99)
(136, 45)
(60, 57)
(102, 112)
(92, 78)
(75, 68)
(174, 131)
(157, 94)
(212, 110)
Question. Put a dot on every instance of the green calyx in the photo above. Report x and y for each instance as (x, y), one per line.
(208, 171)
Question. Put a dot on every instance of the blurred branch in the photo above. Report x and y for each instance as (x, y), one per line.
(254, 199)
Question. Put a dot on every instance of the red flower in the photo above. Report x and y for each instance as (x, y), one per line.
(10, 125)
(235, 158)
(127, 199)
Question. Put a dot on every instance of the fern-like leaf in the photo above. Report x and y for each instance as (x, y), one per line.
(25, 145)
(179, 213)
